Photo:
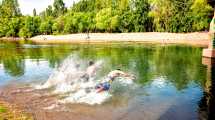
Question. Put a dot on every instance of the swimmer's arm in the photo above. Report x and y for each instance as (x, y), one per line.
(130, 76)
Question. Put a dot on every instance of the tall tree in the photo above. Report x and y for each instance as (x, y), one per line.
(141, 19)
(34, 12)
(46, 26)
(9, 18)
(10, 8)
(30, 27)
(201, 10)
(180, 15)
(59, 8)
(84, 6)
(49, 11)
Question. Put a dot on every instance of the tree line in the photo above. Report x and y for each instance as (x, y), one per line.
(106, 16)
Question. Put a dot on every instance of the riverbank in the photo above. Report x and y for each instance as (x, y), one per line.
(197, 38)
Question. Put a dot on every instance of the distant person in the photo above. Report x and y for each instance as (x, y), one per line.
(88, 35)
(105, 86)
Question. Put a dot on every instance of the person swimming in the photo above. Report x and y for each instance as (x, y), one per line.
(105, 86)
(90, 71)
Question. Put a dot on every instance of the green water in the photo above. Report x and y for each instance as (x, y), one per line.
(171, 78)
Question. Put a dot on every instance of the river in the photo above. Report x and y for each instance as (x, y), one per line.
(171, 81)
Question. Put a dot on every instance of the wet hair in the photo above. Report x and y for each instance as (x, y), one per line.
(118, 69)
(91, 62)
(77, 65)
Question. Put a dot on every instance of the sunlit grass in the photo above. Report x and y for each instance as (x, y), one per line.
(9, 113)
(2, 109)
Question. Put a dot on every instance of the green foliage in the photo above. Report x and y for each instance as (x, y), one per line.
(30, 27)
(9, 18)
(200, 11)
(49, 11)
(10, 8)
(84, 6)
(46, 26)
(126, 21)
(106, 16)
(141, 20)
(79, 22)
(180, 16)
(103, 19)
(13, 27)
(107, 20)
(58, 25)
(59, 8)
(2, 109)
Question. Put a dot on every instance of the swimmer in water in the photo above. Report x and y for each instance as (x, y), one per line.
(90, 71)
(110, 78)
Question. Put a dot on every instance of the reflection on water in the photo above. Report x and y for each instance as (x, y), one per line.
(207, 103)
(172, 79)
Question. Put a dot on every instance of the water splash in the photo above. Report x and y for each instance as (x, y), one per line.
(69, 79)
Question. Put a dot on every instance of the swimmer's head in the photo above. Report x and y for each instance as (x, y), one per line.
(77, 65)
(118, 69)
(91, 63)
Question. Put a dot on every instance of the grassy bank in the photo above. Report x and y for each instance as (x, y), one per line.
(10, 112)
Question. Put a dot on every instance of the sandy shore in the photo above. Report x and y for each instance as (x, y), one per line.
(197, 38)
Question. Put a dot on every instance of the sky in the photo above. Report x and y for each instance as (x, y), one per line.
(27, 6)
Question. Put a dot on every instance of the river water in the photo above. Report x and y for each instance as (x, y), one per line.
(171, 81)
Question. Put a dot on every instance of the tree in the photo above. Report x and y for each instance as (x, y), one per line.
(141, 19)
(13, 27)
(25, 33)
(107, 20)
(10, 8)
(34, 12)
(58, 25)
(9, 21)
(49, 11)
(84, 6)
(200, 12)
(46, 26)
(30, 27)
(59, 8)
(162, 12)
(107, 16)
(79, 22)
(180, 16)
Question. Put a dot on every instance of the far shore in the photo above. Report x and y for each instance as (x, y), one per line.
(195, 38)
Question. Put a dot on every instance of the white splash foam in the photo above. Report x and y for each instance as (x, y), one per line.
(51, 107)
(67, 78)
(91, 98)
